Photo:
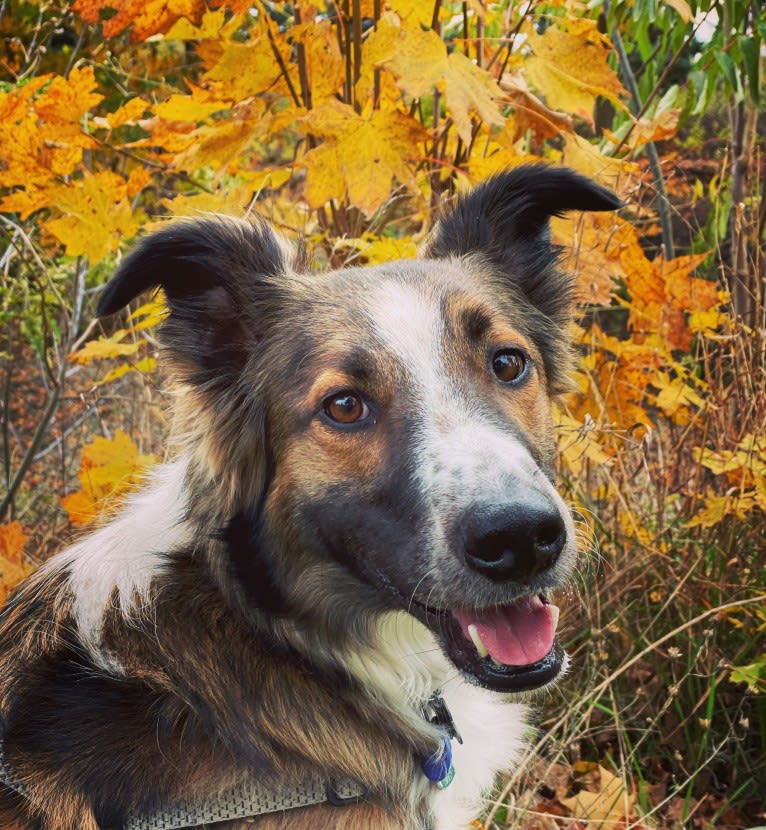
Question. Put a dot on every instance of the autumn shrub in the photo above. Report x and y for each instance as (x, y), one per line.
(349, 125)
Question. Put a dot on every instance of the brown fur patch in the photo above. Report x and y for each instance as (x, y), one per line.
(236, 658)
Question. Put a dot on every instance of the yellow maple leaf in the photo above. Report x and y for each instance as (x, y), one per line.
(610, 807)
(581, 155)
(12, 567)
(149, 315)
(97, 214)
(413, 11)
(707, 322)
(221, 142)
(684, 291)
(146, 17)
(110, 468)
(12, 541)
(674, 394)
(716, 507)
(130, 112)
(143, 366)
(588, 253)
(417, 57)
(228, 200)
(569, 65)
(65, 96)
(376, 249)
(419, 60)
(471, 90)
(578, 442)
(186, 108)
(496, 159)
(663, 291)
(138, 178)
(243, 70)
(360, 155)
(530, 113)
(325, 65)
(210, 26)
(40, 131)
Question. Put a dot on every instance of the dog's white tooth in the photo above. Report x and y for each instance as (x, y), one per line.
(474, 635)
(554, 611)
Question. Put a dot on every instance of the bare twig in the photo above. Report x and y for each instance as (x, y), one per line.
(376, 73)
(7, 423)
(663, 203)
(279, 59)
(77, 47)
(357, 31)
(435, 24)
(57, 381)
(42, 426)
(663, 77)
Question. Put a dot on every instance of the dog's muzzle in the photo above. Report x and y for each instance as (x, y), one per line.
(514, 543)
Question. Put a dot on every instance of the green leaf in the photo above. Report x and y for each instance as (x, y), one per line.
(729, 69)
(704, 91)
(754, 674)
(751, 48)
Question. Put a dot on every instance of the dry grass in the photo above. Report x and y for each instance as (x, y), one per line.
(657, 619)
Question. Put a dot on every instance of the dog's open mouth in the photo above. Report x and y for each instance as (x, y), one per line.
(509, 648)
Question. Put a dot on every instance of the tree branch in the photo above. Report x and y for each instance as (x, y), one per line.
(663, 203)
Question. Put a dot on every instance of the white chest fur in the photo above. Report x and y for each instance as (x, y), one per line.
(404, 668)
(493, 732)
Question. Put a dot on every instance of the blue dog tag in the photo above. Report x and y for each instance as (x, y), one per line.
(438, 768)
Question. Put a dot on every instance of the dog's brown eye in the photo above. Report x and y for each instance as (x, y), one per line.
(345, 408)
(509, 364)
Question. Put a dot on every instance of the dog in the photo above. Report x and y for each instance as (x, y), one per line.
(346, 576)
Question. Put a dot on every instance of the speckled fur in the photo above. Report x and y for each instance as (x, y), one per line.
(247, 612)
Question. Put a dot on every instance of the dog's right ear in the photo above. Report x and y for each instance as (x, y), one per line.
(221, 279)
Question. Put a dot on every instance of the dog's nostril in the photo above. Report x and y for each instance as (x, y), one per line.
(491, 548)
(549, 533)
(514, 541)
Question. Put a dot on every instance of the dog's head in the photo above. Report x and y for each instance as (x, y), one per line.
(380, 437)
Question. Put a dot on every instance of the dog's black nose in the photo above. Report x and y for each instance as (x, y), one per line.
(513, 541)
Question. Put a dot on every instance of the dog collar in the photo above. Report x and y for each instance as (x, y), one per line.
(247, 799)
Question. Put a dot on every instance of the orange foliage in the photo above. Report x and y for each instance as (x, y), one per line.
(146, 17)
(12, 566)
(110, 468)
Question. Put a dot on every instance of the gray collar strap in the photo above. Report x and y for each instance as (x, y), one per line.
(244, 800)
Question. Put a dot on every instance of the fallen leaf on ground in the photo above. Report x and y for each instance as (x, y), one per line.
(611, 806)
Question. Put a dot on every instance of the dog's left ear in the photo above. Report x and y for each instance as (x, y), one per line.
(505, 222)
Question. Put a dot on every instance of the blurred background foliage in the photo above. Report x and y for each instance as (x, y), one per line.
(349, 125)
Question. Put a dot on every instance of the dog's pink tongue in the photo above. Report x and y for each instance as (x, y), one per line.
(514, 635)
